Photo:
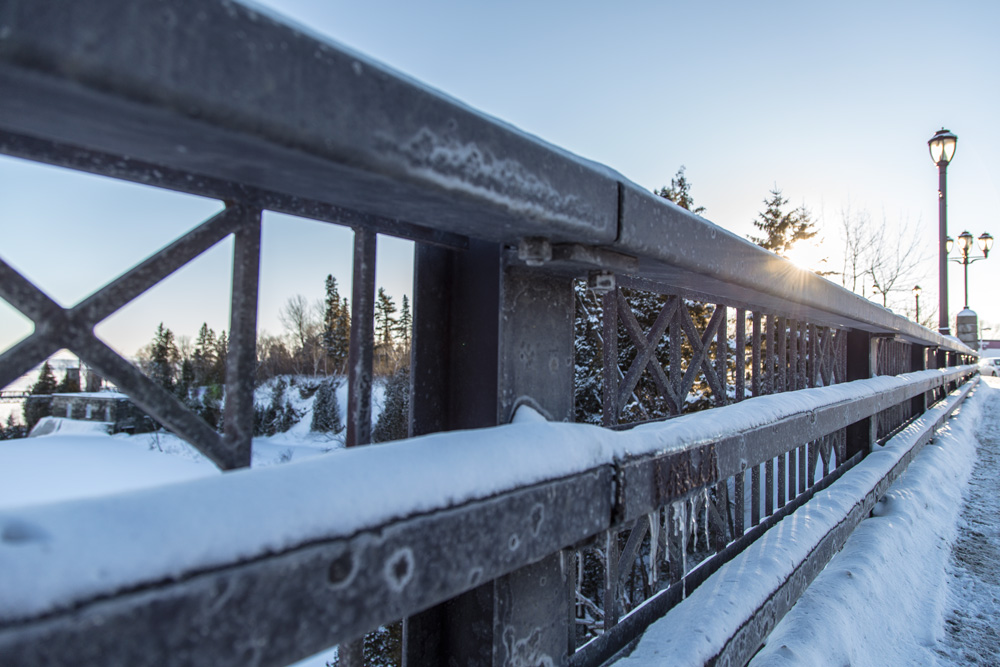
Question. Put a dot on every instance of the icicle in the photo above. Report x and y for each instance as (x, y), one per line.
(666, 536)
(706, 498)
(693, 521)
(684, 541)
(654, 544)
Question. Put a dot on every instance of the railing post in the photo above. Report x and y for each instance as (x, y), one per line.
(531, 612)
(490, 334)
(861, 365)
(454, 375)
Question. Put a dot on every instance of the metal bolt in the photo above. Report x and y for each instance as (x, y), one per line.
(601, 282)
(534, 250)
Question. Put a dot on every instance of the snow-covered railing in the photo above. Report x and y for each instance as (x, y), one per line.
(288, 560)
(214, 98)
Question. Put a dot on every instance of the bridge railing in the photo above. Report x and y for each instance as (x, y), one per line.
(510, 543)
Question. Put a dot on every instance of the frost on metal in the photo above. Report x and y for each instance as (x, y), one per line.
(465, 166)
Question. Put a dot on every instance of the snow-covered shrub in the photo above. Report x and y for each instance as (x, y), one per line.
(326, 410)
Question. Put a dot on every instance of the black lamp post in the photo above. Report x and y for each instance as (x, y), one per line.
(985, 242)
(942, 146)
(916, 295)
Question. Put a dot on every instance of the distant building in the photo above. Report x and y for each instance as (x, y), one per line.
(105, 406)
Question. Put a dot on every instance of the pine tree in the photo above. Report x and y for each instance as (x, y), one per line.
(679, 192)
(217, 372)
(39, 404)
(163, 357)
(384, 321)
(336, 327)
(344, 328)
(203, 359)
(326, 410)
(782, 230)
(393, 423)
(405, 323)
(46, 383)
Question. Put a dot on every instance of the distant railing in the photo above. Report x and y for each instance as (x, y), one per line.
(533, 542)
(13, 395)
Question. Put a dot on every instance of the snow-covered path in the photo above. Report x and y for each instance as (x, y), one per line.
(972, 624)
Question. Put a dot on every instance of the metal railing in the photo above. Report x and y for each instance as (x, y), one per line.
(216, 99)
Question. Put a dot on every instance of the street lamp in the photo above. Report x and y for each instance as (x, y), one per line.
(916, 295)
(942, 147)
(985, 242)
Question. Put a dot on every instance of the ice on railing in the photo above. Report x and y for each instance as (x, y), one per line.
(102, 545)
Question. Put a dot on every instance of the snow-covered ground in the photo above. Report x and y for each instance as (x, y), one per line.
(918, 583)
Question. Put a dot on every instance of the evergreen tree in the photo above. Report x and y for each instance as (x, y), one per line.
(344, 328)
(163, 357)
(335, 330)
(70, 383)
(384, 321)
(394, 421)
(39, 404)
(203, 359)
(782, 230)
(186, 379)
(679, 193)
(405, 323)
(326, 410)
(46, 383)
(13, 429)
(217, 373)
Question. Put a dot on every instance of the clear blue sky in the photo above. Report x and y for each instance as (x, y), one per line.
(831, 102)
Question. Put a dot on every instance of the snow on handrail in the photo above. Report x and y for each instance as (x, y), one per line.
(97, 547)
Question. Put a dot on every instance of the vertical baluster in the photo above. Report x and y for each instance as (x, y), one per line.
(241, 360)
(782, 459)
(813, 365)
(793, 356)
(611, 553)
(755, 377)
(741, 354)
(360, 352)
(740, 512)
(359, 373)
(800, 382)
(722, 354)
(769, 356)
(755, 495)
(782, 354)
(769, 487)
(609, 399)
(802, 468)
(676, 373)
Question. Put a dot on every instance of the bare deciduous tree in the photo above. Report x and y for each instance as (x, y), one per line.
(879, 260)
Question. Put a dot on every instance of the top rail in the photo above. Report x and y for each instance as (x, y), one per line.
(219, 99)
